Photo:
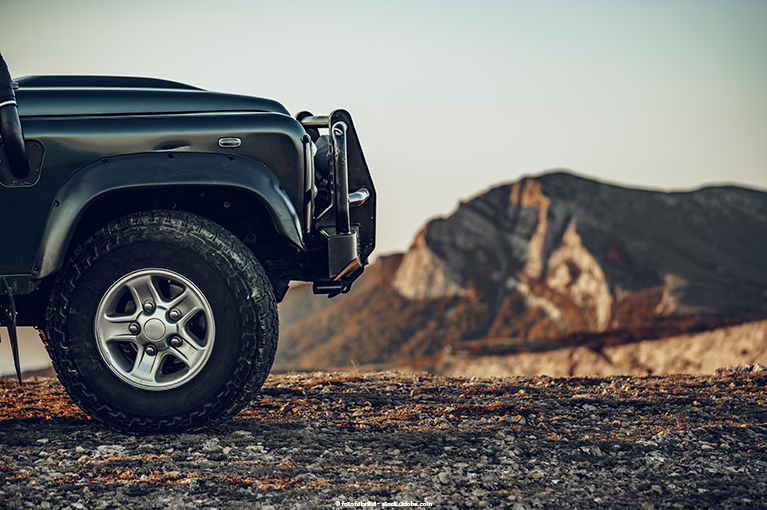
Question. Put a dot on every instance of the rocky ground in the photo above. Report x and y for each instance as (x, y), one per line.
(313, 439)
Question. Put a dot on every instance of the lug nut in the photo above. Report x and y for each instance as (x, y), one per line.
(175, 341)
(150, 350)
(175, 314)
(134, 328)
(148, 306)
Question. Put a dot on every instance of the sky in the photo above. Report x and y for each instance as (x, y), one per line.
(453, 97)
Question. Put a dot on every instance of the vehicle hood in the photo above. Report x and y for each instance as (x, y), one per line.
(39, 96)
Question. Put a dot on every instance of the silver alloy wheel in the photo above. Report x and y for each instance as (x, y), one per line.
(154, 329)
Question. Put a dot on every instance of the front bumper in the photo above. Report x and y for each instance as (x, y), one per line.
(347, 224)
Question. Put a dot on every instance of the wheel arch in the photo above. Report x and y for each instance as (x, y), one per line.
(111, 187)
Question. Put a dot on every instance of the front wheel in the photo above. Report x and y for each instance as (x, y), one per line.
(162, 321)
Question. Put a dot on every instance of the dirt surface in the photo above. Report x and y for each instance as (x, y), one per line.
(311, 440)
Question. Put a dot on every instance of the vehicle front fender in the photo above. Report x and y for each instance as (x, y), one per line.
(156, 170)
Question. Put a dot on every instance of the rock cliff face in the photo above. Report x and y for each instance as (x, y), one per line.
(697, 353)
(550, 261)
(576, 249)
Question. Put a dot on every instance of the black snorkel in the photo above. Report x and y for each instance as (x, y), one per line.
(10, 126)
(16, 153)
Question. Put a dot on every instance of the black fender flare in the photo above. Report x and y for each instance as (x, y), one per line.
(150, 171)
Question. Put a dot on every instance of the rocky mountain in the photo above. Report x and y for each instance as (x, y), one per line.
(545, 262)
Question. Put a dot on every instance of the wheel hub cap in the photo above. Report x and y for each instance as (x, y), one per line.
(154, 329)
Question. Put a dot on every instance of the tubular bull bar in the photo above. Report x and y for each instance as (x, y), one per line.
(348, 223)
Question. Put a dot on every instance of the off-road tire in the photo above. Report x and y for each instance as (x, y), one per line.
(221, 269)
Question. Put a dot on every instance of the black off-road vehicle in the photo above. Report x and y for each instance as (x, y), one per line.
(148, 229)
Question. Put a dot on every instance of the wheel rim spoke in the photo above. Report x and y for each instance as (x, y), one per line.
(116, 328)
(188, 316)
(189, 352)
(144, 289)
(184, 300)
(189, 307)
(146, 367)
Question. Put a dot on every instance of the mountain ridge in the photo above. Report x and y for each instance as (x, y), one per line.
(547, 261)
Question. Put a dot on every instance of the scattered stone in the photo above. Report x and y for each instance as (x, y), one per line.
(630, 442)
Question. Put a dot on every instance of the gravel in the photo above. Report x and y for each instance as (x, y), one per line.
(313, 439)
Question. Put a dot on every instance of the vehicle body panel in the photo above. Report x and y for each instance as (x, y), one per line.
(271, 141)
